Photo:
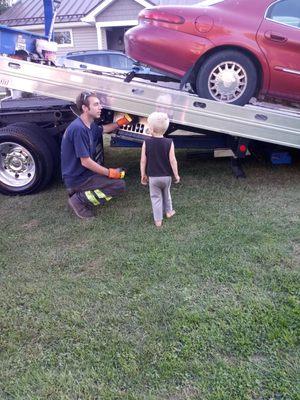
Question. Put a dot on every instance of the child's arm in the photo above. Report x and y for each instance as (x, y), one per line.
(173, 163)
(143, 163)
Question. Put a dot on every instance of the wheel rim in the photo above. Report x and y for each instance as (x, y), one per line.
(17, 165)
(227, 81)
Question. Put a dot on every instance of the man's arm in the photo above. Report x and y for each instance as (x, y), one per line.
(109, 128)
(125, 120)
(112, 173)
(90, 164)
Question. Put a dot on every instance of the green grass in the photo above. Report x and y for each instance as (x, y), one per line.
(205, 308)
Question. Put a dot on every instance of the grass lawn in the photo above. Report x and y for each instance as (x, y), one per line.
(205, 308)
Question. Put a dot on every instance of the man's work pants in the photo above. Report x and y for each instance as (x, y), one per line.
(98, 189)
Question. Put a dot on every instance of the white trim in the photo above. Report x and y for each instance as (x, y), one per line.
(104, 41)
(101, 38)
(71, 36)
(91, 16)
(66, 25)
(107, 24)
(144, 3)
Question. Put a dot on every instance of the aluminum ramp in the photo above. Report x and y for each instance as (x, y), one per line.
(140, 98)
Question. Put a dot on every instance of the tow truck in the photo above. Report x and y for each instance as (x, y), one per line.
(31, 127)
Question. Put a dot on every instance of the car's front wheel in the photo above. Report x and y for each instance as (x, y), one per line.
(228, 76)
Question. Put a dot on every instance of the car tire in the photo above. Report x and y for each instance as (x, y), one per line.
(227, 76)
(26, 161)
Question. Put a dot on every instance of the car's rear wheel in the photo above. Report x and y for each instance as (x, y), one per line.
(228, 76)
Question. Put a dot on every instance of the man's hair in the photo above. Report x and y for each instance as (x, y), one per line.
(83, 100)
(158, 122)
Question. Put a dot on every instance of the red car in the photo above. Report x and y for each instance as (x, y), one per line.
(228, 50)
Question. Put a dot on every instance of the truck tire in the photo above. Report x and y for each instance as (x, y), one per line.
(228, 76)
(26, 161)
(48, 138)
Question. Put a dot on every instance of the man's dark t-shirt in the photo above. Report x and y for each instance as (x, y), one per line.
(78, 141)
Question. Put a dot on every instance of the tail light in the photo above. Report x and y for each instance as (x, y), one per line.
(160, 16)
(241, 149)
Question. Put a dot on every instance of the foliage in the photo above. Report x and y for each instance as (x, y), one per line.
(205, 308)
(3, 5)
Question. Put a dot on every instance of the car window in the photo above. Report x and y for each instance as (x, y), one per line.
(75, 57)
(286, 12)
(119, 61)
(97, 59)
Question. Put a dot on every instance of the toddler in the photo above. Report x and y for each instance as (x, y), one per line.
(158, 164)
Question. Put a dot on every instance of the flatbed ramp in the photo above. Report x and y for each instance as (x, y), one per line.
(140, 98)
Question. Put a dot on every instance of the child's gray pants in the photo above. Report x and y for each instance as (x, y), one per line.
(160, 196)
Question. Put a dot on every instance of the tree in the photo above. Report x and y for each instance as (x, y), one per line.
(3, 5)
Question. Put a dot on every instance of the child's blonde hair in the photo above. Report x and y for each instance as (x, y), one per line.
(158, 123)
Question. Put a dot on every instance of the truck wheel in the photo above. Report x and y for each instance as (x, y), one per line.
(228, 76)
(49, 139)
(26, 162)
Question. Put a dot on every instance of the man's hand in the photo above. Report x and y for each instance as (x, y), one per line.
(144, 180)
(126, 120)
(177, 179)
(116, 173)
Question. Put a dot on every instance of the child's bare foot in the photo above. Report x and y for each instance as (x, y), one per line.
(170, 214)
(158, 223)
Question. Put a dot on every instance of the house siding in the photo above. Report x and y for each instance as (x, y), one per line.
(121, 10)
(84, 38)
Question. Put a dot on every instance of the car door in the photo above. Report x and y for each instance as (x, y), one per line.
(279, 39)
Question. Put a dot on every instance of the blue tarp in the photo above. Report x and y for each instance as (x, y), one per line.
(14, 39)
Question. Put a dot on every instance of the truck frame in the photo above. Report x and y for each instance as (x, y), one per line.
(31, 128)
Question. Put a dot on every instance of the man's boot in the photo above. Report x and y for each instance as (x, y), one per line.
(82, 210)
